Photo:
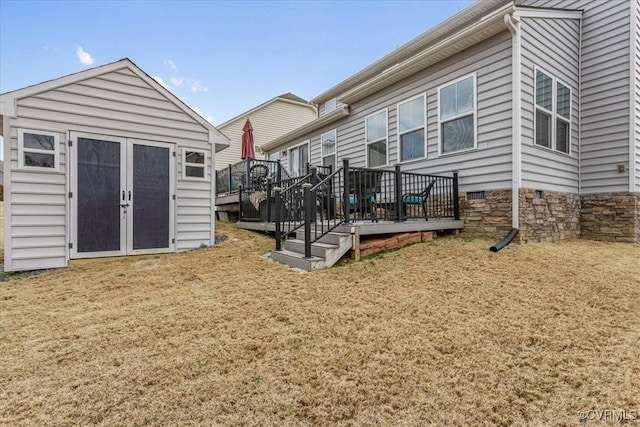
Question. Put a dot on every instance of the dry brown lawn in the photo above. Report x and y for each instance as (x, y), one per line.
(441, 332)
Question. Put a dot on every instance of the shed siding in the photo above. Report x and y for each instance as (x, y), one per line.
(553, 46)
(119, 104)
(488, 167)
(605, 64)
(269, 123)
(636, 71)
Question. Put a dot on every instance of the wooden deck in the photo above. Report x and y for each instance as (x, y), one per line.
(371, 228)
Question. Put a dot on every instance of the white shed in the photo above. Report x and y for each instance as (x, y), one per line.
(104, 162)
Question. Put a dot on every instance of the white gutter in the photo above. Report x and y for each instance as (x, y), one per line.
(580, 110)
(513, 23)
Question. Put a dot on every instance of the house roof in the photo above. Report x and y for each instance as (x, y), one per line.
(8, 99)
(286, 97)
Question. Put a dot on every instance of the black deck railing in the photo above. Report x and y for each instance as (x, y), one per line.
(363, 194)
(248, 173)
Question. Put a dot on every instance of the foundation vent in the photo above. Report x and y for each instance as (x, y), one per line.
(475, 195)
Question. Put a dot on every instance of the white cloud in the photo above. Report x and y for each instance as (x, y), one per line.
(196, 86)
(161, 81)
(203, 115)
(171, 65)
(177, 81)
(84, 57)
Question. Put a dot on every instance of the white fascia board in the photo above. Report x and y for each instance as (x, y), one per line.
(66, 80)
(527, 12)
(218, 140)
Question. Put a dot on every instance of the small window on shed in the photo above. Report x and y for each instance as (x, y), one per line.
(38, 150)
(193, 164)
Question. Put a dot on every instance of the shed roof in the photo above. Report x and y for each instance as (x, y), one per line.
(8, 99)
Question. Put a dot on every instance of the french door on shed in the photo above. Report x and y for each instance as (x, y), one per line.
(121, 196)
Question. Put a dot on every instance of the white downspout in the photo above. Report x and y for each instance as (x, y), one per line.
(513, 24)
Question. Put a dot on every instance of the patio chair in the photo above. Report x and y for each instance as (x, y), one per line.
(258, 174)
(364, 185)
(420, 199)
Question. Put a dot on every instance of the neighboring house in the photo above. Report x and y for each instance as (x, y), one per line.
(535, 103)
(270, 120)
(104, 162)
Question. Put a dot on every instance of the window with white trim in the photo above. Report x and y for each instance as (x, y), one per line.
(411, 129)
(457, 115)
(328, 144)
(376, 139)
(193, 163)
(553, 113)
(298, 159)
(38, 150)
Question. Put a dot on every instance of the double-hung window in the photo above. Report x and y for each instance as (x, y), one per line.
(553, 113)
(38, 150)
(328, 144)
(193, 164)
(457, 115)
(376, 139)
(298, 159)
(411, 129)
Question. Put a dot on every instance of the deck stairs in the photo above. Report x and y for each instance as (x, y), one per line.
(324, 253)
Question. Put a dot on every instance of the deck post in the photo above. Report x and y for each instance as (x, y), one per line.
(279, 171)
(240, 202)
(307, 219)
(314, 180)
(278, 219)
(456, 200)
(345, 191)
(269, 184)
(230, 180)
(398, 191)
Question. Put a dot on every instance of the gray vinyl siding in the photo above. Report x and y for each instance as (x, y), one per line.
(118, 104)
(193, 208)
(270, 122)
(605, 97)
(636, 71)
(487, 167)
(552, 45)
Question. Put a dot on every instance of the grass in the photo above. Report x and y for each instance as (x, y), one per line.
(438, 333)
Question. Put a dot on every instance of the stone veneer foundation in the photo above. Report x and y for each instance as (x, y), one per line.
(550, 215)
(611, 216)
(488, 217)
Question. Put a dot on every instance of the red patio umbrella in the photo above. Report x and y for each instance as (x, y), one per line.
(247, 142)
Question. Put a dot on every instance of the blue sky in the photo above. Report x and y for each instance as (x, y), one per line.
(220, 57)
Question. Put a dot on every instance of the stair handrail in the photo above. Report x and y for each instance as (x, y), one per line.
(285, 211)
(326, 204)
